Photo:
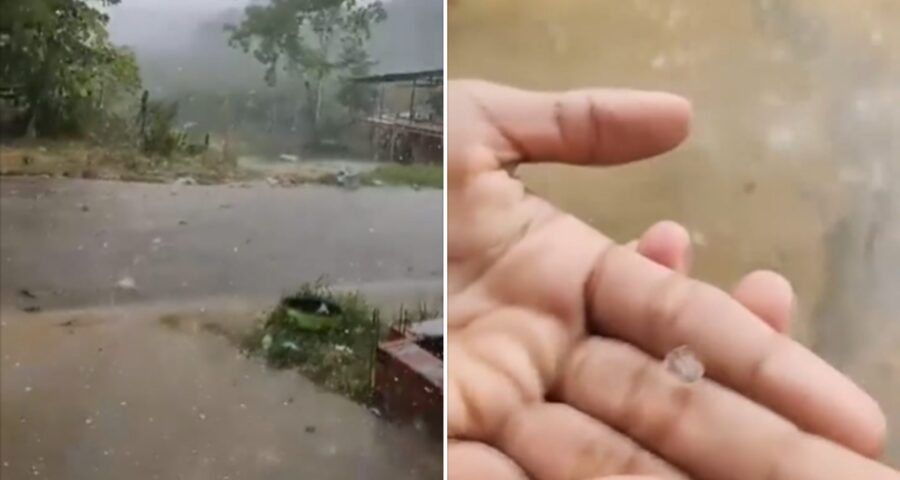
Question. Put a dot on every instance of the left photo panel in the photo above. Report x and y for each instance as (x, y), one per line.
(221, 239)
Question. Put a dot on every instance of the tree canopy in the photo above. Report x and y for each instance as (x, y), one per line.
(315, 40)
(58, 55)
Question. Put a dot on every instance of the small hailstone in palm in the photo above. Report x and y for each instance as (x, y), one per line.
(684, 364)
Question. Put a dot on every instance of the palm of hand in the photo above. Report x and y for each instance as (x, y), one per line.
(529, 390)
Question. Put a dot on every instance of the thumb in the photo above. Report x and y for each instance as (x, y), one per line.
(600, 127)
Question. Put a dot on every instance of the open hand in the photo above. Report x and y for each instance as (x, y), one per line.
(556, 333)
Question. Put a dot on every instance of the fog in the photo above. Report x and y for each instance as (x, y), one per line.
(154, 26)
(181, 44)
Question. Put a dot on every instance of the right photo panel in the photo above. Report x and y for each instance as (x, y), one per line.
(673, 230)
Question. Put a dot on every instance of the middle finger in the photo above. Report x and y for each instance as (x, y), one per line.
(641, 302)
(705, 429)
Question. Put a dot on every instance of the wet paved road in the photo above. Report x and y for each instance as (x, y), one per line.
(70, 242)
(97, 386)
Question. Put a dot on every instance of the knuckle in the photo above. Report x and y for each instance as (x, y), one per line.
(670, 306)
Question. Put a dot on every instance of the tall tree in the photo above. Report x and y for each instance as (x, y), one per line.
(57, 53)
(316, 40)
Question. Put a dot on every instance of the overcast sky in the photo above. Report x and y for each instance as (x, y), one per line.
(168, 29)
(177, 5)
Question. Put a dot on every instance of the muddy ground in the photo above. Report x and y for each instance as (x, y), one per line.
(161, 392)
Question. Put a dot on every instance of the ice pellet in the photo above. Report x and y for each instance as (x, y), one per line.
(126, 283)
(684, 364)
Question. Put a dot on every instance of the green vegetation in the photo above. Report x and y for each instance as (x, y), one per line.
(59, 68)
(321, 43)
(426, 176)
(330, 337)
(61, 77)
(158, 135)
(73, 104)
(80, 159)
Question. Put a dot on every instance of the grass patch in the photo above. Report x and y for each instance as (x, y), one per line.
(327, 336)
(426, 176)
(81, 159)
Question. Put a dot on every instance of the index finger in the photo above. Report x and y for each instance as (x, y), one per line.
(656, 309)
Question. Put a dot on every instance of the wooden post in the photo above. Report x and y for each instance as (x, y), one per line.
(393, 140)
(380, 101)
(412, 102)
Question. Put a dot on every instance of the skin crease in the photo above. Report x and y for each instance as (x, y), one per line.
(555, 333)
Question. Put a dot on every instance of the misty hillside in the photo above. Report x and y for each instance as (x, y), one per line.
(182, 45)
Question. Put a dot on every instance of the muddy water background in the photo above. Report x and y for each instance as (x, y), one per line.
(794, 161)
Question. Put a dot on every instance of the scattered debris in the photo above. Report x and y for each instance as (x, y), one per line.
(126, 283)
(32, 309)
(289, 158)
(348, 180)
(272, 181)
(185, 181)
(27, 293)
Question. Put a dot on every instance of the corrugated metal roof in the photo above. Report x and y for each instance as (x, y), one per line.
(428, 328)
(434, 75)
